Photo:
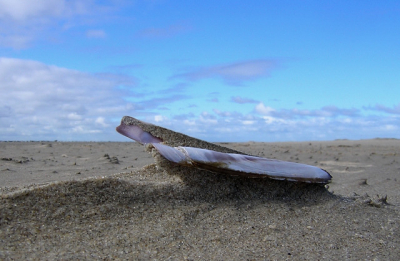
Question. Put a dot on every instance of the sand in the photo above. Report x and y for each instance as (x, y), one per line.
(86, 200)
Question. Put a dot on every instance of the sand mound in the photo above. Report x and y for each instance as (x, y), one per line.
(149, 214)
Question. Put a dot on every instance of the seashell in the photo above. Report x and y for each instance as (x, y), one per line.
(228, 163)
(137, 134)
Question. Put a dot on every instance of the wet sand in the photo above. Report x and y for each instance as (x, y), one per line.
(103, 200)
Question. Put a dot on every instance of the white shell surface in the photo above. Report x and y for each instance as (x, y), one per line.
(275, 169)
(171, 153)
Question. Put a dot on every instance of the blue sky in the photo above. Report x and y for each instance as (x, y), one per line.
(216, 70)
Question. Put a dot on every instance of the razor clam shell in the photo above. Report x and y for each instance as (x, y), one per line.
(244, 165)
(222, 162)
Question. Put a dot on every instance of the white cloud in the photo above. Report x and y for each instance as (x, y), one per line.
(207, 118)
(272, 120)
(159, 118)
(74, 116)
(102, 122)
(27, 11)
(43, 101)
(248, 122)
(23, 10)
(262, 109)
(189, 122)
(390, 127)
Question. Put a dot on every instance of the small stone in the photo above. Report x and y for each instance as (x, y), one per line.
(114, 160)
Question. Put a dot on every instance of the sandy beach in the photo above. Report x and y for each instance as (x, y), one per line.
(87, 200)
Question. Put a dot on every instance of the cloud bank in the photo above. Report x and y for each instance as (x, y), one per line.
(42, 102)
(265, 123)
(47, 102)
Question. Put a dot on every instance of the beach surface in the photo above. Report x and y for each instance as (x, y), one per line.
(108, 200)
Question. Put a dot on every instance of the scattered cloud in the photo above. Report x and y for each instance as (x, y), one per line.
(159, 118)
(382, 108)
(227, 114)
(333, 111)
(233, 73)
(95, 34)
(270, 124)
(43, 11)
(240, 100)
(264, 110)
(24, 10)
(102, 122)
(23, 22)
(47, 102)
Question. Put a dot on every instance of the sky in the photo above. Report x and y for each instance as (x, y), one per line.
(231, 71)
